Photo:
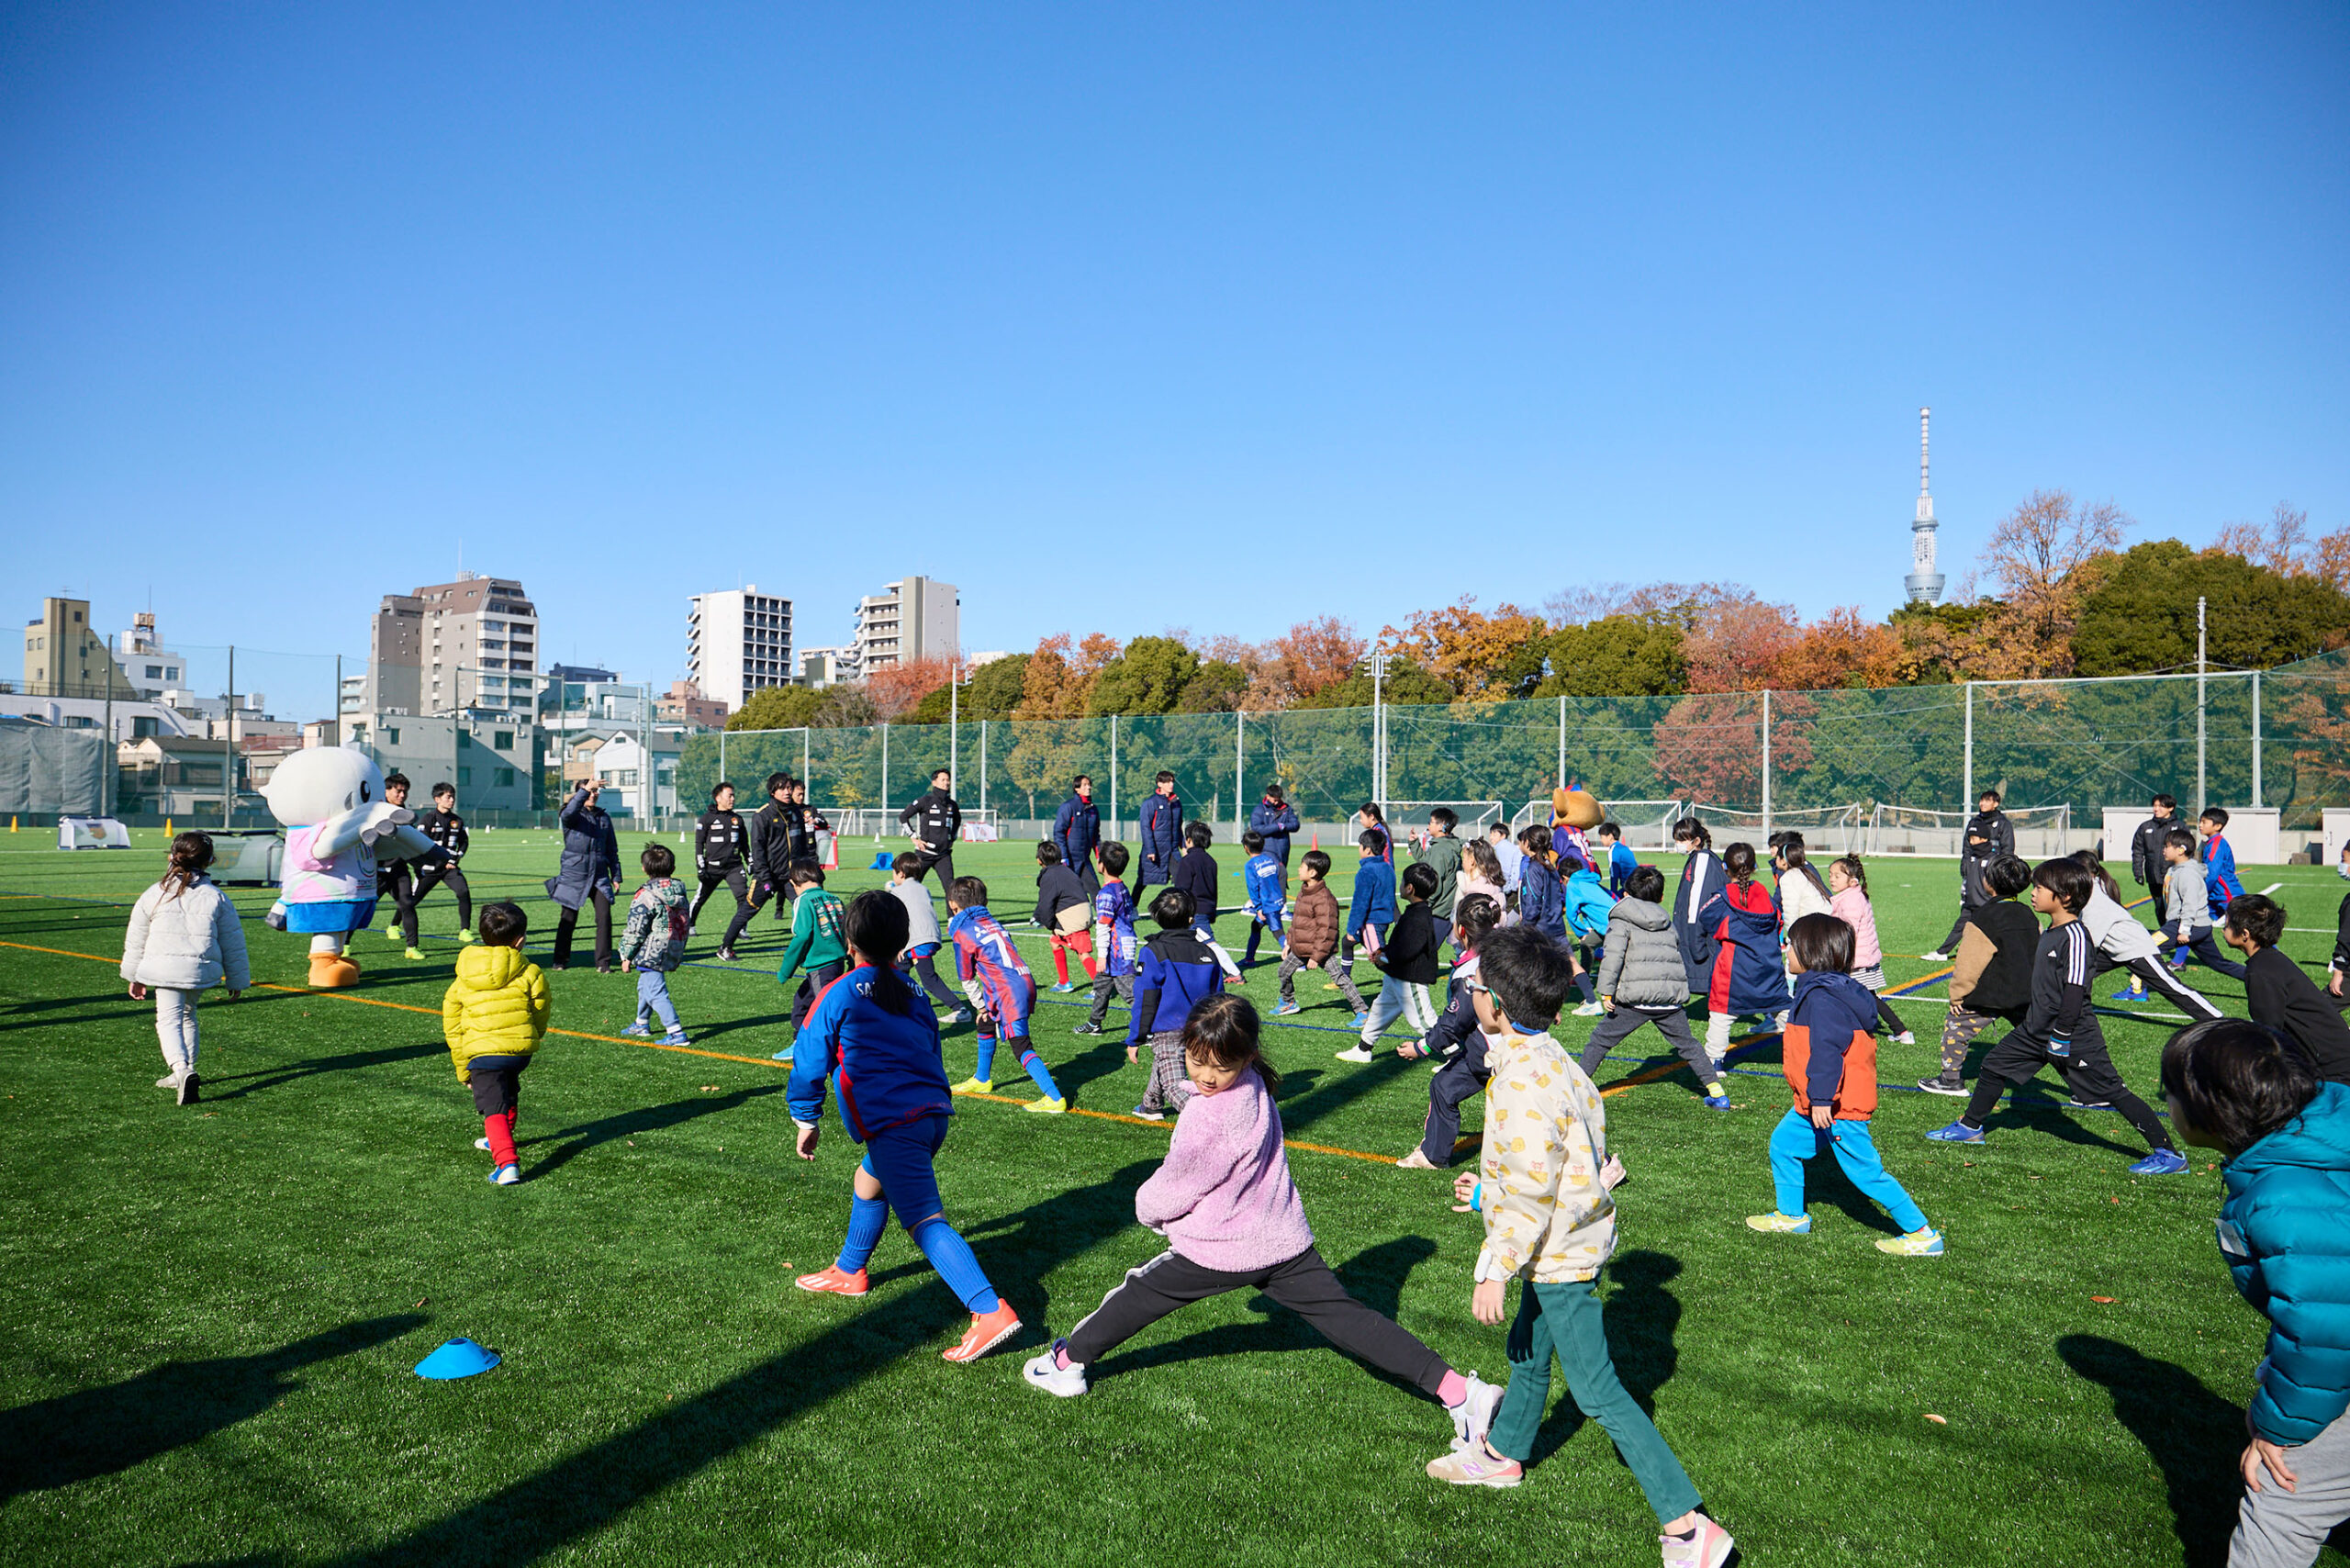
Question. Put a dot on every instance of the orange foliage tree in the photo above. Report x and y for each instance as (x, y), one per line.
(1842, 648)
(1305, 660)
(895, 690)
(1477, 655)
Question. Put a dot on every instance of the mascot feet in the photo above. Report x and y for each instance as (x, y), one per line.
(331, 972)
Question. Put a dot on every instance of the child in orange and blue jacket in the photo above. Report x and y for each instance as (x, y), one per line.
(1830, 1057)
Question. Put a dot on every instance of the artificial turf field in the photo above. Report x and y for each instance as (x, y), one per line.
(213, 1310)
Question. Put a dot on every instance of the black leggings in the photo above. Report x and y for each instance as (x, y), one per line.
(730, 878)
(566, 922)
(426, 881)
(1305, 1285)
(2088, 1071)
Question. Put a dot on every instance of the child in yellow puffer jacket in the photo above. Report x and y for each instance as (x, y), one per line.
(493, 1017)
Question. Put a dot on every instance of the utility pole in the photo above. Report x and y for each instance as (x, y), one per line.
(106, 757)
(1968, 786)
(2256, 739)
(229, 753)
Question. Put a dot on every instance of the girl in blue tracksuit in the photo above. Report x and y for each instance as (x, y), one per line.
(1541, 897)
(876, 1038)
(2285, 1231)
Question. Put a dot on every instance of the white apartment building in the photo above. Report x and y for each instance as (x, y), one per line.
(151, 668)
(737, 642)
(913, 617)
(472, 643)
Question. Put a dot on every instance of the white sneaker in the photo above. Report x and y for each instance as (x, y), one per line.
(1935, 957)
(1709, 1546)
(169, 1080)
(1907, 1038)
(1472, 1418)
(1356, 1053)
(1045, 1371)
(1612, 1173)
(1589, 1010)
(482, 1144)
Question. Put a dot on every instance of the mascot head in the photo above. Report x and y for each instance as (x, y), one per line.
(1575, 808)
(323, 781)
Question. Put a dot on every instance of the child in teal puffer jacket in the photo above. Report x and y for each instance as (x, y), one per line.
(2285, 1231)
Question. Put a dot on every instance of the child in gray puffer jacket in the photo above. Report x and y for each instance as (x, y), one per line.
(1642, 980)
(659, 921)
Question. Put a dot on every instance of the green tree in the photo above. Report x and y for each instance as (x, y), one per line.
(2140, 615)
(1618, 655)
(778, 708)
(995, 687)
(934, 709)
(1148, 678)
(1217, 688)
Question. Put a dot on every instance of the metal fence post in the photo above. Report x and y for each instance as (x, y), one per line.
(1966, 785)
(2256, 738)
(1240, 761)
(805, 769)
(1562, 740)
(1113, 773)
(722, 752)
(2200, 678)
(983, 765)
(1766, 762)
(229, 753)
(885, 766)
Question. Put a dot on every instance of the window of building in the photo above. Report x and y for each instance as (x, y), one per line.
(154, 672)
(142, 727)
(463, 740)
(391, 736)
(464, 776)
(505, 778)
(502, 739)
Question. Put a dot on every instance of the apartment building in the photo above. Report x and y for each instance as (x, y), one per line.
(738, 641)
(913, 617)
(471, 643)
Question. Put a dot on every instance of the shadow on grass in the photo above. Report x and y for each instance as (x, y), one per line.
(763, 1021)
(2192, 1435)
(577, 1140)
(102, 1431)
(278, 1076)
(585, 1492)
(1641, 1318)
(1300, 1112)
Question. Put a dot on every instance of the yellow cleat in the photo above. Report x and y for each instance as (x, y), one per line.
(1047, 1107)
(973, 1086)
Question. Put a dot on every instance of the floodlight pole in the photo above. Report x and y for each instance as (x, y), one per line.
(1377, 664)
(1113, 773)
(983, 765)
(1239, 760)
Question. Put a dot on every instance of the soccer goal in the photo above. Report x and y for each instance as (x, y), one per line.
(1842, 829)
(2041, 831)
(1645, 825)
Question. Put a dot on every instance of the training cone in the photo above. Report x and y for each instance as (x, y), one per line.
(167, 827)
(458, 1358)
(1318, 840)
(880, 862)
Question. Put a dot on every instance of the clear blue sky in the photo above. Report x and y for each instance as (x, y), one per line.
(1129, 317)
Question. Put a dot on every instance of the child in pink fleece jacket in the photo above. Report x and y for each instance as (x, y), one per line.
(1230, 1212)
(1848, 888)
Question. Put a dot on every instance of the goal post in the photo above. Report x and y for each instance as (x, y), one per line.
(1843, 829)
(1645, 824)
(2041, 831)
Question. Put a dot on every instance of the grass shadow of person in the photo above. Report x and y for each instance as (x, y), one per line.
(102, 1431)
(584, 1492)
(278, 1075)
(2192, 1435)
(1641, 1318)
(1301, 1111)
(586, 1136)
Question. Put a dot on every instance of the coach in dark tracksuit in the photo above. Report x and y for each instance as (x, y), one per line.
(766, 848)
(935, 822)
(720, 839)
(1989, 835)
(1077, 829)
(1275, 818)
(1159, 832)
(2146, 867)
(446, 829)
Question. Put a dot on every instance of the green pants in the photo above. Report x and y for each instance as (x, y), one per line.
(1565, 1320)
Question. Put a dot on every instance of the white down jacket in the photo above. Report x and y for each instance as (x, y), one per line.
(186, 942)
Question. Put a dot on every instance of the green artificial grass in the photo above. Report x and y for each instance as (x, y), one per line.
(214, 1311)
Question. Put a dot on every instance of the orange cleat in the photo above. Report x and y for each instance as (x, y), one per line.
(832, 1282)
(987, 1331)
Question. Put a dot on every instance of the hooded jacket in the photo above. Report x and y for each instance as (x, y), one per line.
(2284, 1232)
(1313, 922)
(185, 941)
(1374, 903)
(1548, 1214)
(885, 1066)
(1158, 837)
(498, 1006)
(1830, 1051)
(2146, 850)
(1747, 974)
(1178, 974)
(1701, 880)
(657, 929)
(1587, 903)
(1441, 855)
(591, 853)
(1277, 821)
(1541, 898)
(1641, 965)
(1077, 829)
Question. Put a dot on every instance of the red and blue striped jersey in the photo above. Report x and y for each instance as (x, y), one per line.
(983, 951)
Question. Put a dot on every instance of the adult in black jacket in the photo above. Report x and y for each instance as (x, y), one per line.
(1989, 835)
(2340, 965)
(1077, 828)
(720, 841)
(396, 880)
(1275, 818)
(2146, 867)
(446, 829)
(766, 850)
(935, 820)
(2279, 994)
(589, 873)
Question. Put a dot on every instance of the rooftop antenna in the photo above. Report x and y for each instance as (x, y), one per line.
(1924, 582)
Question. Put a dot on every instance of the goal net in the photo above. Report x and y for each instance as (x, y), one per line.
(2041, 831)
(1842, 829)
(1645, 825)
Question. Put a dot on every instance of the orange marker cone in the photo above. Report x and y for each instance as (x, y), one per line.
(1318, 840)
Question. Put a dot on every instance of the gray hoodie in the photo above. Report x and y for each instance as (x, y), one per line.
(1641, 966)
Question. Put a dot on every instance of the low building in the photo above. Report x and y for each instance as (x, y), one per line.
(175, 776)
(684, 704)
(640, 779)
(820, 668)
(64, 657)
(492, 758)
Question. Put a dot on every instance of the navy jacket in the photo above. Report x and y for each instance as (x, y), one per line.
(1077, 828)
(1701, 878)
(1178, 974)
(591, 853)
(1374, 898)
(1542, 899)
(1195, 874)
(1276, 823)
(1456, 1036)
(1158, 832)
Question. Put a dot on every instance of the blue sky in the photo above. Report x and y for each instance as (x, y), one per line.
(1129, 317)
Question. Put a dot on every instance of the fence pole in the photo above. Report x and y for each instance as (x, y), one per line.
(1113, 773)
(1240, 761)
(228, 753)
(1562, 741)
(983, 765)
(107, 752)
(885, 766)
(804, 768)
(338, 701)
(1966, 786)
(722, 752)
(2200, 677)
(2256, 738)
(1766, 762)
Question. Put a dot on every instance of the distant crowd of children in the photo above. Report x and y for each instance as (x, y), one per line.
(1534, 921)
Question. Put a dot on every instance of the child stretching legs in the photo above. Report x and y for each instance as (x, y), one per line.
(1830, 1059)
(1002, 990)
(1231, 1215)
(1549, 1221)
(878, 1035)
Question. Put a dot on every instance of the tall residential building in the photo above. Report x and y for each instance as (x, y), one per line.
(64, 658)
(151, 668)
(468, 644)
(738, 642)
(912, 619)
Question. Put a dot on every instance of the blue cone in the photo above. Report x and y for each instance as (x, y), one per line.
(458, 1358)
(880, 862)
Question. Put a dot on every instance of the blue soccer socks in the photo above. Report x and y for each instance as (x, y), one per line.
(1038, 1070)
(957, 1264)
(866, 1218)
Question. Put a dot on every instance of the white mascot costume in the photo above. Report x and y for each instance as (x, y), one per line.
(330, 801)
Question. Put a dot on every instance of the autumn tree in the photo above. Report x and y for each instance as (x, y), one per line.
(897, 689)
(1842, 648)
(1487, 657)
(2041, 559)
(1735, 643)
(1221, 686)
(1309, 659)
(996, 688)
(1059, 679)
